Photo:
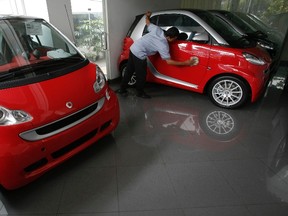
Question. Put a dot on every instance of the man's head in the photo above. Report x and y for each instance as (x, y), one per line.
(172, 34)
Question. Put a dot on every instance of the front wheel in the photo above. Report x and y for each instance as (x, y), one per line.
(132, 81)
(228, 92)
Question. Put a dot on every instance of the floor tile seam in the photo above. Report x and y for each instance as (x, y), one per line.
(245, 205)
(212, 161)
(270, 203)
(208, 160)
(153, 210)
(88, 213)
(236, 159)
(162, 161)
(161, 166)
(239, 195)
(171, 182)
(223, 206)
(216, 206)
(165, 164)
(228, 182)
(91, 168)
(140, 135)
(141, 166)
(58, 209)
(215, 168)
(252, 153)
(117, 187)
(100, 166)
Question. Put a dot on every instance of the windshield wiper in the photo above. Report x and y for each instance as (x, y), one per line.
(5, 76)
(24, 70)
(39, 68)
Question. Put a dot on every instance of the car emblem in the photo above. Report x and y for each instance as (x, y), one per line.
(69, 105)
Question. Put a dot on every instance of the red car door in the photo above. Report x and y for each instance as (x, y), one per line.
(187, 77)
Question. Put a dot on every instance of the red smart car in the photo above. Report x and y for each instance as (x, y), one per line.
(53, 101)
(232, 69)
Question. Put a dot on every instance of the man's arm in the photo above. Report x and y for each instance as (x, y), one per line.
(148, 15)
(190, 62)
(193, 61)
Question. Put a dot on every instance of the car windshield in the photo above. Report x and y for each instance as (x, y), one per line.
(253, 21)
(241, 23)
(30, 47)
(229, 34)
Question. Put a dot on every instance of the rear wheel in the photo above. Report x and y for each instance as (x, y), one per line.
(228, 92)
(132, 81)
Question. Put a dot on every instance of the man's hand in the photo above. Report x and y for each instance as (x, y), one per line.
(148, 14)
(190, 62)
(194, 60)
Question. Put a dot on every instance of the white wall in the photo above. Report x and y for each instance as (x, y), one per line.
(60, 15)
(29, 8)
(120, 15)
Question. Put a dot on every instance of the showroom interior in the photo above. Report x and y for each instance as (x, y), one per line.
(163, 158)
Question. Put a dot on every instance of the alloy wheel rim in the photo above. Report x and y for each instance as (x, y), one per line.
(227, 92)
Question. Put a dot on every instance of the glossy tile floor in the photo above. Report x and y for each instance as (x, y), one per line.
(173, 155)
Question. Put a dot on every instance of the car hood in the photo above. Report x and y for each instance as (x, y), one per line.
(53, 99)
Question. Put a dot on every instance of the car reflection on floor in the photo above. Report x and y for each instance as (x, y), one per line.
(203, 126)
(216, 129)
(3, 211)
(278, 153)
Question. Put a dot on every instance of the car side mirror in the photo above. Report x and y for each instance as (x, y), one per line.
(201, 37)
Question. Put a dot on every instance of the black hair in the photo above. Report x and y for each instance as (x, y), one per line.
(172, 32)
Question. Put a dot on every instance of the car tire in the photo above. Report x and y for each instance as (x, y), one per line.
(132, 81)
(228, 92)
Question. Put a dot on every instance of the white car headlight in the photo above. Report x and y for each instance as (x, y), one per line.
(253, 59)
(13, 117)
(100, 80)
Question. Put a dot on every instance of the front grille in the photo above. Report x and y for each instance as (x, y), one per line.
(62, 124)
(66, 121)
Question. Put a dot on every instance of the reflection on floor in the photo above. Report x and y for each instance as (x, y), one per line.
(175, 154)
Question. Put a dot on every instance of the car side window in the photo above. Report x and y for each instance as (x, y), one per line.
(187, 26)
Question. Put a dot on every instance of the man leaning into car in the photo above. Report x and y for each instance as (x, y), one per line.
(155, 41)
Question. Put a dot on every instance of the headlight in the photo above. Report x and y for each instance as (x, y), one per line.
(12, 117)
(253, 59)
(100, 80)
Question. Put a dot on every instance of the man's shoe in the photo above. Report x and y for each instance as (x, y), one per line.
(122, 91)
(143, 95)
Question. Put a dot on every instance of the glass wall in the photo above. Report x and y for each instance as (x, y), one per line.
(89, 29)
(269, 16)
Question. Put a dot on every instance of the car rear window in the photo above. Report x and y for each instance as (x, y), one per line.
(184, 23)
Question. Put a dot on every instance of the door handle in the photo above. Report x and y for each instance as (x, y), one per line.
(104, 40)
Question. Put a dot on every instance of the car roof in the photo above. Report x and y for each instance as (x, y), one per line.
(221, 11)
(175, 10)
(10, 16)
